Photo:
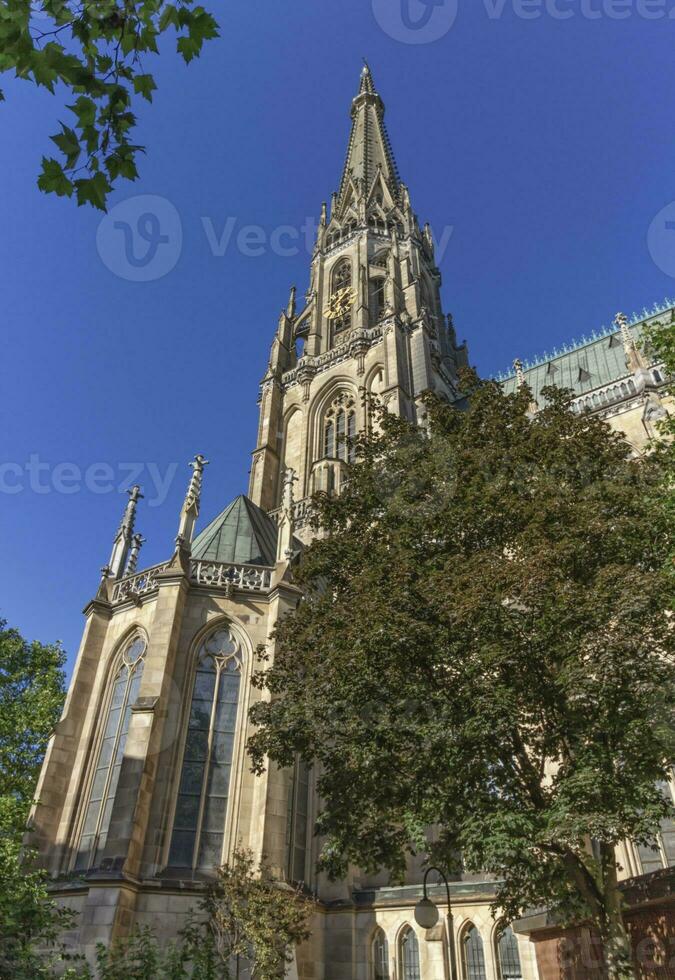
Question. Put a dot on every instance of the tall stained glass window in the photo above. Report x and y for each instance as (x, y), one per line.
(125, 689)
(201, 807)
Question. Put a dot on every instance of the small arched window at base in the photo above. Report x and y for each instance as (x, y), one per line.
(409, 956)
(508, 957)
(473, 956)
(379, 955)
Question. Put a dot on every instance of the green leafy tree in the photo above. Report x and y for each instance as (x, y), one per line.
(96, 52)
(247, 924)
(31, 696)
(484, 647)
(660, 343)
(255, 920)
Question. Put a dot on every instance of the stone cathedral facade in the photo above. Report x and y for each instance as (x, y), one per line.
(146, 786)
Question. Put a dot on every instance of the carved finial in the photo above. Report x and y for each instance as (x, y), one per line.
(190, 509)
(120, 548)
(194, 491)
(136, 543)
(285, 532)
(290, 309)
(520, 374)
(324, 215)
(634, 360)
(366, 81)
(287, 494)
(621, 323)
(129, 515)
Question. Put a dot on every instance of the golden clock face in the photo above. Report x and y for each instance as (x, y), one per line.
(340, 303)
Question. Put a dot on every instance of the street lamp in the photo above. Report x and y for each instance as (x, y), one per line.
(426, 916)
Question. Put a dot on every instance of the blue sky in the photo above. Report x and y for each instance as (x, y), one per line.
(547, 145)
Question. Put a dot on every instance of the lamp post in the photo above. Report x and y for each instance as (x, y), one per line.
(426, 916)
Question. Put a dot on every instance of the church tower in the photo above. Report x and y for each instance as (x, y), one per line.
(372, 323)
(146, 787)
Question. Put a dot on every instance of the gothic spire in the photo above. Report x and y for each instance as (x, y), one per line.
(190, 510)
(634, 360)
(369, 149)
(123, 538)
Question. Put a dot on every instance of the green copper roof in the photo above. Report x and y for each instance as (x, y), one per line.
(241, 534)
(591, 364)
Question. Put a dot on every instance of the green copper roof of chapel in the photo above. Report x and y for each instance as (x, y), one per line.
(241, 534)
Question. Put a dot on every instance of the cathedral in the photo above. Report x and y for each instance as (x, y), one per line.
(146, 786)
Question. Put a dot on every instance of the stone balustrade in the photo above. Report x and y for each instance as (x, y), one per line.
(219, 575)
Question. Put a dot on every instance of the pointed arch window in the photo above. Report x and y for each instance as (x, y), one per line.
(339, 430)
(410, 956)
(379, 954)
(203, 792)
(508, 957)
(97, 815)
(473, 956)
(342, 279)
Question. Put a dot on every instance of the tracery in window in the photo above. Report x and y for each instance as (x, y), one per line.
(379, 951)
(201, 807)
(410, 956)
(125, 689)
(473, 956)
(339, 430)
(508, 957)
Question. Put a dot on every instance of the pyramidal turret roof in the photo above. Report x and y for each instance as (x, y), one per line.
(369, 149)
(241, 534)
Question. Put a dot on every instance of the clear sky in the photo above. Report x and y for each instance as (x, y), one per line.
(539, 135)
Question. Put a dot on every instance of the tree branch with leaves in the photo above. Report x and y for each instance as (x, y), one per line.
(97, 52)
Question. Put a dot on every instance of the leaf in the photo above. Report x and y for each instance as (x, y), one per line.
(53, 180)
(145, 86)
(121, 164)
(168, 16)
(85, 110)
(69, 144)
(188, 48)
(93, 190)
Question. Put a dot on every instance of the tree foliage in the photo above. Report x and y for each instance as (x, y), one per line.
(31, 695)
(485, 648)
(247, 925)
(660, 343)
(255, 920)
(95, 50)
